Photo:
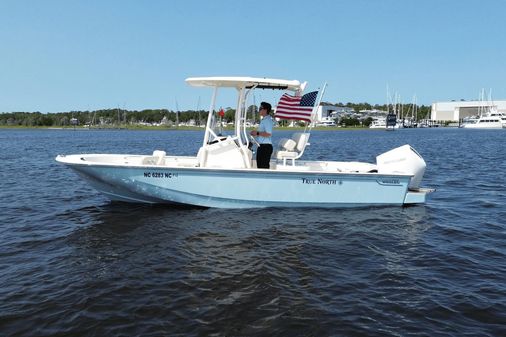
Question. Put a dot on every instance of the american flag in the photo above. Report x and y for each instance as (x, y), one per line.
(296, 107)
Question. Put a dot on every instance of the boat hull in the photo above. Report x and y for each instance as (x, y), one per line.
(487, 126)
(246, 188)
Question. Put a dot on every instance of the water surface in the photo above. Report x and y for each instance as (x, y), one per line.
(74, 264)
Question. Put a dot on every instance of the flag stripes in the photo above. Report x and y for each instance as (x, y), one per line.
(296, 107)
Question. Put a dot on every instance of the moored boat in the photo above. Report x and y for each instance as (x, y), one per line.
(378, 123)
(484, 122)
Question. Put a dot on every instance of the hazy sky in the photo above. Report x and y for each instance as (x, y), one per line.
(86, 55)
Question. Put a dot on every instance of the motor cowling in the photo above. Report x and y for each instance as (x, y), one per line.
(403, 160)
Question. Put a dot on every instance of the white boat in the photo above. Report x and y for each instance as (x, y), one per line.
(379, 123)
(327, 121)
(488, 116)
(501, 116)
(223, 173)
(484, 122)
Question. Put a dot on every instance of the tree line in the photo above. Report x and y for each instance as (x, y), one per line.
(97, 117)
(151, 116)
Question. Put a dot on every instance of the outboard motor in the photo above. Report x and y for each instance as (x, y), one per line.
(404, 160)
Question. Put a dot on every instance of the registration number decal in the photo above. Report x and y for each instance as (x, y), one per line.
(166, 175)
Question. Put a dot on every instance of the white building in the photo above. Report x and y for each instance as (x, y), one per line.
(326, 114)
(374, 113)
(456, 110)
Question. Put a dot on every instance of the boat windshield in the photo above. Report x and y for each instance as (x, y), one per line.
(218, 124)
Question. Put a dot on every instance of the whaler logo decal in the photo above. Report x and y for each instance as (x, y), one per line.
(388, 181)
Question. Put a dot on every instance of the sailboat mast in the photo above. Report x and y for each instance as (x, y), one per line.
(177, 114)
(198, 111)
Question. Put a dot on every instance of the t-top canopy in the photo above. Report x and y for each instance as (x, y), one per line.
(245, 82)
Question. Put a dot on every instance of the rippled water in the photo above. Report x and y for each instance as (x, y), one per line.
(74, 264)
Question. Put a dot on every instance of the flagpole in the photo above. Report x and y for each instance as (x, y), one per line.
(315, 107)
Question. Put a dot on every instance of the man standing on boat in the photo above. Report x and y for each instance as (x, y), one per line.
(263, 135)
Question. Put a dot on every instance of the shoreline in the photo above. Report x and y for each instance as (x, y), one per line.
(181, 128)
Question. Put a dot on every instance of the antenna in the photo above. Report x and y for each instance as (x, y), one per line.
(254, 109)
(388, 99)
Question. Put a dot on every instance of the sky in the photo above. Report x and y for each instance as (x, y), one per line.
(65, 55)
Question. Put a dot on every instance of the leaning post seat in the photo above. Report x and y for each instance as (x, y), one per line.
(292, 148)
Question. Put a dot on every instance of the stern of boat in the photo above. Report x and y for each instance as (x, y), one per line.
(417, 196)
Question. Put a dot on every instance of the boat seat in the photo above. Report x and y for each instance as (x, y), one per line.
(158, 158)
(292, 148)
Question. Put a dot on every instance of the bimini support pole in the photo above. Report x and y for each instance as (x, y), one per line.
(210, 116)
(238, 111)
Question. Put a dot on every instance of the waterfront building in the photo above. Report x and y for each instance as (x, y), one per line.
(328, 113)
(457, 110)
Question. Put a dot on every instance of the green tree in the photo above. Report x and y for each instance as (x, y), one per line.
(349, 121)
(367, 122)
